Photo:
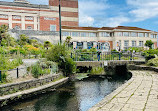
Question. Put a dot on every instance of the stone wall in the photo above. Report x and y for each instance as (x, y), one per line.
(15, 87)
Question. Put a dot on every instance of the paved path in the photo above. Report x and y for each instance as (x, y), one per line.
(140, 93)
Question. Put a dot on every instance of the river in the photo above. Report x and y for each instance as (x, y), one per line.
(73, 96)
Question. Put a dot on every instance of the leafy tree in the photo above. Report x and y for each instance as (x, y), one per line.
(149, 44)
(23, 40)
(60, 54)
(47, 44)
(67, 41)
(3, 32)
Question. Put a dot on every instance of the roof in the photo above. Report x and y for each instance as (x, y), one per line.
(106, 28)
(23, 5)
(80, 28)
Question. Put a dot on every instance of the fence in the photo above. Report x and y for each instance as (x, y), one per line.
(93, 56)
(21, 71)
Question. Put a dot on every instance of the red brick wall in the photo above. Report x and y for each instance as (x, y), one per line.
(68, 23)
(45, 24)
(1, 23)
(64, 3)
(69, 14)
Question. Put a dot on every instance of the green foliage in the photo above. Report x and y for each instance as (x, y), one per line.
(60, 54)
(97, 70)
(153, 62)
(36, 70)
(149, 44)
(23, 40)
(136, 49)
(47, 44)
(149, 54)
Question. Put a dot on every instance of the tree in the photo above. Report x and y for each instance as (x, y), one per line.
(67, 41)
(23, 39)
(60, 54)
(47, 44)
(149, 44)
(3, 32)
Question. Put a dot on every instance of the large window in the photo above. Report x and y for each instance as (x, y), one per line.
(133, 34)
(126, 43)
(66, 34)
(28, 18)
(84, 34)
(16, 17)
(105, 34)
(141, 34)
(52, 27)
(3, 16)
(92, 34)
(126, 34)
(119, 33)
(133, 43)
(75, 34)
(146, 34)
(141, 43)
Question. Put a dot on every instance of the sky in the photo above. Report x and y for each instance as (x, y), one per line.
(112, 13)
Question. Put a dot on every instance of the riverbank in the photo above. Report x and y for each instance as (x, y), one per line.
(15, 91)
(138, 94)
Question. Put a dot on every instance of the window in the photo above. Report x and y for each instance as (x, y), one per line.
(126, 34)
(89, 45)
(152, 36)
(119, 33)
(16, 17)
(66, 34)
(29, 27)
(133, 43)
(28, 18)
(92, 34)
(3, 16)
(48, 18)
(75, 34)
(146, 34)
(52, 27)
(141, 43)
(84, 34)
(141, 34)
(17, 27)
(133, 34)
(126, 43)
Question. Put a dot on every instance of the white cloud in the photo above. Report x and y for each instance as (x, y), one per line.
(143, 9)
(114, 21)
(88, 10)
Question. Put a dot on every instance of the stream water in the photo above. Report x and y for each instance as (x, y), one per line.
(73, 96)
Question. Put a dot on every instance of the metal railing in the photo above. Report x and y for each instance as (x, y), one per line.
(93, 56)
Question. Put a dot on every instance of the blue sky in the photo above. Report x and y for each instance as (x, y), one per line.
(111, 13)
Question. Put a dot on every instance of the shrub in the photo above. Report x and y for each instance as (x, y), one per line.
(153, 62)
(97, 70)
(36, 70)
(61, 55)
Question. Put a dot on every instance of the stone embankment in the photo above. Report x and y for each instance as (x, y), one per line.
(140, 93)
(15, 91)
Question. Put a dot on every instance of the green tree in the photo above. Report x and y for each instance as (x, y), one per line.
(23, 40)
(3, 32)
(47, 44)
(67, 41)
(60, 54)
(149, 44)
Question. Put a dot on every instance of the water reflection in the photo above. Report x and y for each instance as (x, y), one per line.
(74, 96)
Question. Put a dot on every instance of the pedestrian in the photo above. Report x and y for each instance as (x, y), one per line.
(98, 55)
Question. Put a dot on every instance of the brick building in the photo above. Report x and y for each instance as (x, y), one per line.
(22, 15)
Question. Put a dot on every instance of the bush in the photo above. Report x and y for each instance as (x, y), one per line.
(153, 62)
(97, 70)
(61, 55)
(36, 70)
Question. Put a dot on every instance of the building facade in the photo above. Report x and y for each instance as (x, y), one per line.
(22, 15)
(108, 38)
(42, 22)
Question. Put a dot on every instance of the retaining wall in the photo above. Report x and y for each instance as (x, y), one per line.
(15, 87)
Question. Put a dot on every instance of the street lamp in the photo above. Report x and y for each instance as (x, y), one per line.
(60, 22)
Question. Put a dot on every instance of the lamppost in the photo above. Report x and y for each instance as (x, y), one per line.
(60, 22)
